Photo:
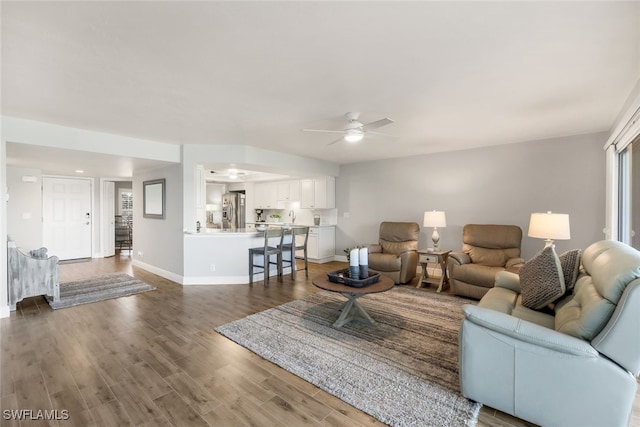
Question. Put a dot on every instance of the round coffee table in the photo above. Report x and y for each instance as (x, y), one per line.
(351, 309)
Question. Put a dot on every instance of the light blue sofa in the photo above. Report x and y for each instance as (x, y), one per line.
(575, 366)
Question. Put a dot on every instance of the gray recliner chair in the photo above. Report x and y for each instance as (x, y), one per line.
(486, 250)
(396, 254)
(574, 366)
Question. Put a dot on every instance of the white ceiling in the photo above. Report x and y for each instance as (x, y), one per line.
(453, 75)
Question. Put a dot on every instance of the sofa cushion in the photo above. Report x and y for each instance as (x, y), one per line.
(570, 262)
(541, 279)
(490, 257)
(398, 247)
(585, 313)
(384, 262)
(479, 275)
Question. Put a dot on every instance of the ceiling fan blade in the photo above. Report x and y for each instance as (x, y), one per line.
(378, 134)
(337, 140)
(377, 124)
(322, 130)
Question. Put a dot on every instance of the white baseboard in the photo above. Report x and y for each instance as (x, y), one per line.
(230, 280)
(204, 280)
(160, 272)
(4, 311)
(342, 258)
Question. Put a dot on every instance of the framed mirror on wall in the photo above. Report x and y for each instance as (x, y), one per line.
(153, 199)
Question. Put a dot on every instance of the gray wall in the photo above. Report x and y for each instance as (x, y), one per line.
(160, 240)
(495, 185)
(25, 198)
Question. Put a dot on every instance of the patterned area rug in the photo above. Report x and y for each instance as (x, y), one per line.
(100, 288)
(404, 372)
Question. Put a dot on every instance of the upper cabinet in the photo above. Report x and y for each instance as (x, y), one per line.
(318, 193)
(266, 195)
(289, 191)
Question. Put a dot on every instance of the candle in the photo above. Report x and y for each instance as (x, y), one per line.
(353, 257)
(364, 256)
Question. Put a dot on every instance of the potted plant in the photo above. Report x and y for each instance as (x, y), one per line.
(275, 217)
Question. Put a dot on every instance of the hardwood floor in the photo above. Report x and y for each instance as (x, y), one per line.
(154, 359)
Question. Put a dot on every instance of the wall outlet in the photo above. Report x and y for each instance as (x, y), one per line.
(212, 268)
(140, 254)
(26, 215)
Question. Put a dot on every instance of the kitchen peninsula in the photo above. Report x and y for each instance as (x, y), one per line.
(217, 256)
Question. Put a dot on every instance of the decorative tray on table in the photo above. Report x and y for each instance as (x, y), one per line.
(344, 277)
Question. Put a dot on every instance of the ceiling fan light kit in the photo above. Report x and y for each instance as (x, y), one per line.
(353, 135)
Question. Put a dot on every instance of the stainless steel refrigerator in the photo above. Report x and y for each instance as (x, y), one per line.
(233, 210)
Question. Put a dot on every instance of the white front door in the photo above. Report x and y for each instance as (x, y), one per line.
(67, 217)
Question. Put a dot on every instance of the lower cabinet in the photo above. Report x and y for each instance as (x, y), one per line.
(321, 246)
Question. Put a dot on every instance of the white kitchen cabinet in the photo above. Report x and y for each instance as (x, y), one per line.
(318, 193)
(289, 191)
(266, 195)
(321, 246)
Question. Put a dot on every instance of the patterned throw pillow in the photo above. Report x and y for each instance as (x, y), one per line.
(541, 279)
(570, 262)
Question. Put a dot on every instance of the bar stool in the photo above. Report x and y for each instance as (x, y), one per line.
(293, 247)
(267, 251)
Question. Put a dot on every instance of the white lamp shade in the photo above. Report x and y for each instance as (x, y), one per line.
(549, 226)
(435, 219)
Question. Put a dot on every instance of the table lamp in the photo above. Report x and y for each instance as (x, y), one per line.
(435, 219)
(549, 226)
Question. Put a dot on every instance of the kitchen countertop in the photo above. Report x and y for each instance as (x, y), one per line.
(293, 225)
(223, 232)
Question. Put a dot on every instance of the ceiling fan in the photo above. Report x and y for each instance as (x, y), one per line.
(354, 131)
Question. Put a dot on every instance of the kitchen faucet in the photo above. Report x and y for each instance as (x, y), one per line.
(292, 215)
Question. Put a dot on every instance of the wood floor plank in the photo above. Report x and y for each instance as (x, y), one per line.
(70, 399)
(178, 412)
(92, 386)
(290, 393)
(9, 402)
(139, 407)
(149, 380)
(193, 393)
(110, 414)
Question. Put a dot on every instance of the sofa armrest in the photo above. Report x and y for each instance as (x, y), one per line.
(522, 330)
(508, 280)
(459, 257)
(374, 248)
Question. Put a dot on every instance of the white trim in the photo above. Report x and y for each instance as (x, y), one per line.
(627, 129)
(4, 194)
(230, 280)
(158, 271)
(611, 194)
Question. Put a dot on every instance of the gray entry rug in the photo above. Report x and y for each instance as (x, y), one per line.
(100, 288)
(403, 371)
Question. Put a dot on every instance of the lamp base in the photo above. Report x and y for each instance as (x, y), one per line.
(435, 237)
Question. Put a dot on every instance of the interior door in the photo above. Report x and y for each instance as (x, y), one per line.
(108, 221)
(67, 217)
